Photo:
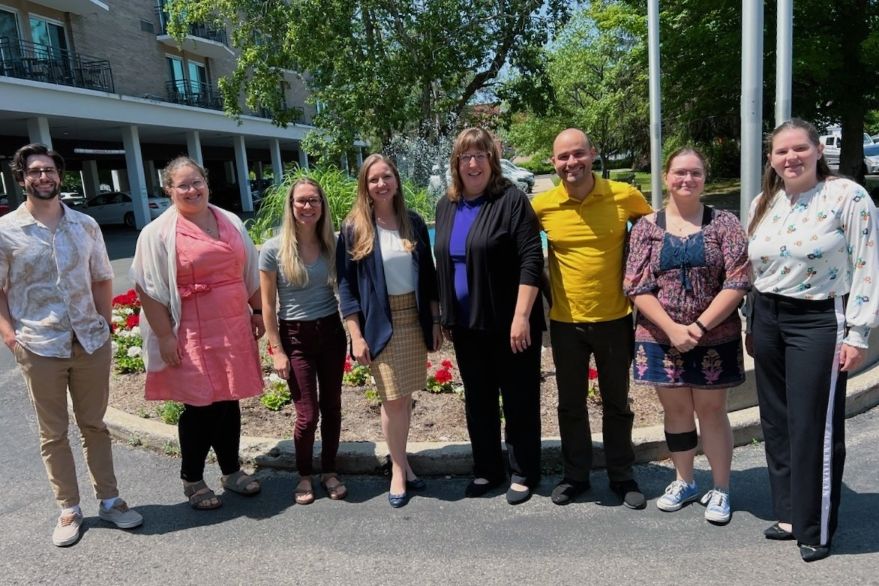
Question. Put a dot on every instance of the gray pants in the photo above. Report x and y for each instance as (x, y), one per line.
(612, 344)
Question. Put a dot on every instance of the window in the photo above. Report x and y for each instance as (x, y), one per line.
(9, 47)
(198, 77)
(50, 35)
(175, 70)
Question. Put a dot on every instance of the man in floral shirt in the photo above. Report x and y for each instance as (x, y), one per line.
(55, 301)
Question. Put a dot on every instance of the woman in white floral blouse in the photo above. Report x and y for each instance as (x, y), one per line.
(813, 250)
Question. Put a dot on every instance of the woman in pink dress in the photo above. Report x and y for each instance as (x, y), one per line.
(195, 270)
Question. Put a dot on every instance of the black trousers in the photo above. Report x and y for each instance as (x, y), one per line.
(217, 426)
(802, 409)
(488, 367)
(612, 343)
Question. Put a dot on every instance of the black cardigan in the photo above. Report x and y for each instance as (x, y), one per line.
(503, 252)
(362, 288)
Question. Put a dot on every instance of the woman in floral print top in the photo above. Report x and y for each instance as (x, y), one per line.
(686, 272)
(816, 265)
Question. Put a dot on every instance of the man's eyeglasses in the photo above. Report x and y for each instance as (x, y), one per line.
(467, 157)
(184, 187)
(314, 202)
(36, 173)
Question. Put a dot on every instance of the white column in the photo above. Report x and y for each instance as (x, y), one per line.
(90, 179)
(784, 60)
(655, 104)
(193, 146)
(751, 102)
(359, 157)
(136, 179)
(241, 174)
(38, 130)
(277, 164)
(303, 157)
(120, 179)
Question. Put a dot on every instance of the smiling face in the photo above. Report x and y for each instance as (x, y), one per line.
(474, 168)
(41, 178)
(188, 190)
(307, 206)
(794, 158)
(572, 157)
(381, 184)
(685, 178)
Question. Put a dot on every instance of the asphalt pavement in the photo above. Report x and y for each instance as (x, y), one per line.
(438, 538)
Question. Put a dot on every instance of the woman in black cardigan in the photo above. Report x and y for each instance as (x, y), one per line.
(489, 267)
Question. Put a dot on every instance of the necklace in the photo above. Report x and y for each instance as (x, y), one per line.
(684, 226)
(208, 225)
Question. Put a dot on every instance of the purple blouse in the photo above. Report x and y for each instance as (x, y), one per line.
(465, 216)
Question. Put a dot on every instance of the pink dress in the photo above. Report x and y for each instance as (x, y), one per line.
(220, 357)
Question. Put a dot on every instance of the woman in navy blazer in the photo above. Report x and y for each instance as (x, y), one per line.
(388, 298)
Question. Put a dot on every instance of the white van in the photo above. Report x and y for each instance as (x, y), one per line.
(832, 144)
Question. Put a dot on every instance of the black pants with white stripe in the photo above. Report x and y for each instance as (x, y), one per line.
(802, 409)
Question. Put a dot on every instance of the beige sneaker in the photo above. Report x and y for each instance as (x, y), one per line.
(120, 515)
(67, 530)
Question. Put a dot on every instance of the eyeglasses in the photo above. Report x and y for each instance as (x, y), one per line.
(38, 172)
(314, 202)
(184, 187)
(467, 157)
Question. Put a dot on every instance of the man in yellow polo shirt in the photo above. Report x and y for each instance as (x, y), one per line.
(585, 219)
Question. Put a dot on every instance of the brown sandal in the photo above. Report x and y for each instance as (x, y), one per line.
(241, 482)
(200, 496)
(304, 495)
(335, 490)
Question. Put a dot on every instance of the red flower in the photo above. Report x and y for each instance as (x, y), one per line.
(347, 364)
(447, 364)
(429, 364)
(593, 374)
(269, 349)
(132, 320)
(443, 376)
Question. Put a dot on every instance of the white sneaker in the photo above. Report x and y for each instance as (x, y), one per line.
(67, 530)
(717, 506)
(677, 494)
(120, 515)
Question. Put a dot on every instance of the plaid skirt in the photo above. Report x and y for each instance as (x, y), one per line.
(401, 368)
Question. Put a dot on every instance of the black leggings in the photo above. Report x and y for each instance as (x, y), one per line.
(217, 426)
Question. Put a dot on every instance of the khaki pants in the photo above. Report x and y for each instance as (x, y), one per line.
(87, 376)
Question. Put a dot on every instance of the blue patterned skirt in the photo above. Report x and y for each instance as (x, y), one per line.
(718, 366)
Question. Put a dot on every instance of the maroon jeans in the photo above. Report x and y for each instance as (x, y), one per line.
(316, 350)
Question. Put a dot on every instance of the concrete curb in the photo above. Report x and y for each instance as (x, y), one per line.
(439, 458)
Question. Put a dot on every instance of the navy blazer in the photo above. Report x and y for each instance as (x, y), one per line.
(362, 287)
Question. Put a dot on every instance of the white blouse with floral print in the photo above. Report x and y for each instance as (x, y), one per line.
(820, 247)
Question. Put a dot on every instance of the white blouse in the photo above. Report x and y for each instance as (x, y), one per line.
(821, 247)
(397, 263)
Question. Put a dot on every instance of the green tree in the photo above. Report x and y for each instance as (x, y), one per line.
(380, 67)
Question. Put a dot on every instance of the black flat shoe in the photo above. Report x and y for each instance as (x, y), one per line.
(398, 500)
(567, 490)
(517, 497)
(776, 533)
(813, 553)
(475, 490)
(416, 484)
(629, 493)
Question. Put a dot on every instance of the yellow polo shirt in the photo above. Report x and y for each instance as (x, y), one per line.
(586, 244)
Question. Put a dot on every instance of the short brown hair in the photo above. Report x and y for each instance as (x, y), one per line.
(19, 160)
(477, 138)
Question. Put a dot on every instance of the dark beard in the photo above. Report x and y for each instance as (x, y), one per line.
(31, 192)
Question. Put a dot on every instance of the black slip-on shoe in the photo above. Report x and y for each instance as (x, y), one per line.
(813, 553)
(567, 490)
(776, 533)
(517, 497)
(475, 490)
(629, 493)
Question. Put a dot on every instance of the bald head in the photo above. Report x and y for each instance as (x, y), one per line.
(572, 156)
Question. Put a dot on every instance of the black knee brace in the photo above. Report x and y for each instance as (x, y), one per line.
(681, 442)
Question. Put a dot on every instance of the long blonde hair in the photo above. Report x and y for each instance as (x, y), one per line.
(360, 218)
(772, 183)
(289, 261)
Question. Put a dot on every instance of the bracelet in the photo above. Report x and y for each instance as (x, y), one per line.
(701, 326)
(257, 311)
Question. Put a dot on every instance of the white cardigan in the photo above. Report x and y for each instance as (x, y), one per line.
(154, 270)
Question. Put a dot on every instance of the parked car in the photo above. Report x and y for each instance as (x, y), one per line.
(522, 178)
(72, 198)
(871, 158)
(832, 145)
(4, 205)
(116, 207)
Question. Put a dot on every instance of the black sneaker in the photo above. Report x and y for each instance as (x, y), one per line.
(567, 490)
(629, 493)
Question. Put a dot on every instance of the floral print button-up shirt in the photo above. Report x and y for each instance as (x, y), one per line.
(822, 246)
(47, 277)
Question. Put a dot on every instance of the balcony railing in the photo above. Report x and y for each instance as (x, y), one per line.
(200, 30)
(193, 93)
(38, 62)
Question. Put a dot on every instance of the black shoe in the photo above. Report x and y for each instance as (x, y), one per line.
(813, 553)
(517, 497)
(567, 490)
(398, 500)
(474, 490)
(629, 493)
(416, 484)
(776, 533)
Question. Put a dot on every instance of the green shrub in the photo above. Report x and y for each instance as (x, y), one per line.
(170, 412)
(276, 395)
(356, 375)
(538, 166)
